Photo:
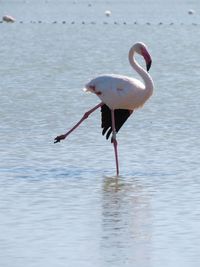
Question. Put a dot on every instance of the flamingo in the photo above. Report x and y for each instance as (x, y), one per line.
(120, 96)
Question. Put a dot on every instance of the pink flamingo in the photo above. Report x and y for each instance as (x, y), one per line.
(120, 96)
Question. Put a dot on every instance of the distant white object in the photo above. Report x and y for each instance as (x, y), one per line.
(8, 18)
(191, 12)
(108, 13)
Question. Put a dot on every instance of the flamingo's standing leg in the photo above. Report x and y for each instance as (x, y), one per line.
(85, 116)
(114, 140)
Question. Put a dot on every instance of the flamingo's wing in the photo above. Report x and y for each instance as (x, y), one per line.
(121, 115)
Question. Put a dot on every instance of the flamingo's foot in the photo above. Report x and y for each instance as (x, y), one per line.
(59, 138)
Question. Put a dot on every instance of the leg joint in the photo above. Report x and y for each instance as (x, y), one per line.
(86, 115)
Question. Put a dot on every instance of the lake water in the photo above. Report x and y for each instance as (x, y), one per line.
(61, 204)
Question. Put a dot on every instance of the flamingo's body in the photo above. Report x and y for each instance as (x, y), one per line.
(124, 92)
(120, 96)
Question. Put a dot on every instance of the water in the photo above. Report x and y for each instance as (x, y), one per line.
(60, 204)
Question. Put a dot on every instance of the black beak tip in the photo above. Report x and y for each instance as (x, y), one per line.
(148, 66)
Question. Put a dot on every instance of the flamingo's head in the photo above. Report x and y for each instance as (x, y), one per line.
(141, 49)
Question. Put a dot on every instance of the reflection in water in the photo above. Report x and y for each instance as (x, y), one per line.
(126, 222)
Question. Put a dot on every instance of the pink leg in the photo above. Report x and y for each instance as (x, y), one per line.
(114, 140)
(85, 116)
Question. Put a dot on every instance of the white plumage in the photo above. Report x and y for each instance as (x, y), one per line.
(117, 91)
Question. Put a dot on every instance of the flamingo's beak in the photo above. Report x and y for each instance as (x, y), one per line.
(148, 65)
(147, 58)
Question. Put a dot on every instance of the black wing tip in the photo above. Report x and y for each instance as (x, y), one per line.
(121, 115)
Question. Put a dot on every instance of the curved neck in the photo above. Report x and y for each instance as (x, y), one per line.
(143, 73)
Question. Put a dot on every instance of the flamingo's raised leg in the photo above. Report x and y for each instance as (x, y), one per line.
(85, 116)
